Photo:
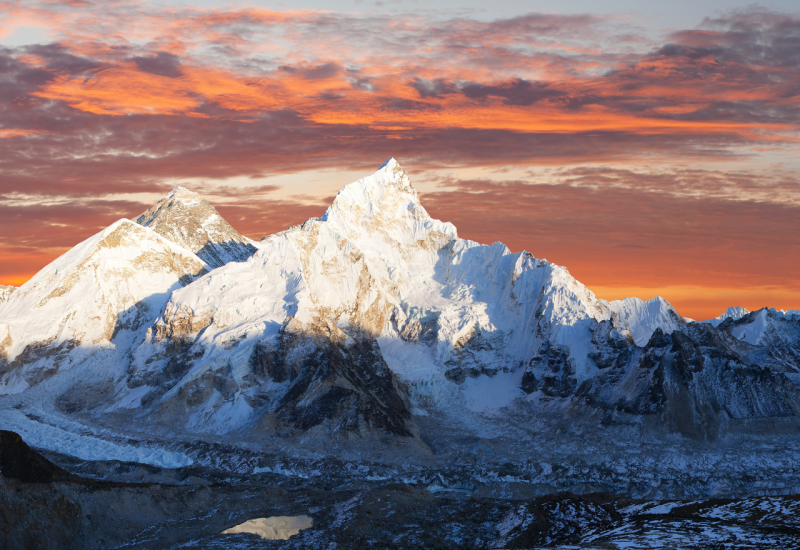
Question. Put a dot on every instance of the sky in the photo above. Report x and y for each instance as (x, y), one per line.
(652, 149)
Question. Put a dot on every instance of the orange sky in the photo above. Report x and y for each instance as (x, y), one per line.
(645, 164)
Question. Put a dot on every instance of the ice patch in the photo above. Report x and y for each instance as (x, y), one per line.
(280, 471)
(485, 393)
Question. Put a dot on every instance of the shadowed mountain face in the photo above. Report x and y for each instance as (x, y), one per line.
(187, 219)
(331, 381)
(698, 381)
(374, 327)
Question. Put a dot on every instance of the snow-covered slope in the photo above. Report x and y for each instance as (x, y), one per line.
(642, 318)
(753, 329)
(187, 219)
(118, 279)
(5, 292)
(775, 330)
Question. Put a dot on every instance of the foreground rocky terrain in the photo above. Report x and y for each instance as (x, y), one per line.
(374, 350)
(43, 506)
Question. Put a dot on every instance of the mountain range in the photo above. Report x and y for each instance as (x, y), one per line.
(371, 332)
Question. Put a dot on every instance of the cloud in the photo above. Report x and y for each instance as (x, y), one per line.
(516, 92)
(435, 88)
(161, 64)
(189, 60)
(650, 148)
(86, 154)
(57, 59)
(16, 132)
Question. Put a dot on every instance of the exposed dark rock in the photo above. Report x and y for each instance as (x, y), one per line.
(695, 379)
(49, 356)
(348, 385)
(266, 362)
(425, 331)
(550, 371)
(217, 254)
(18, 461)
(466, 357)
(609, 350)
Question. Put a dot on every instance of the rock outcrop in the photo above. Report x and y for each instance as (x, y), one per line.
(5, 292)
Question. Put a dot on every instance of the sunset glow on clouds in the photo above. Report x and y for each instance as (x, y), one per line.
(646, 164)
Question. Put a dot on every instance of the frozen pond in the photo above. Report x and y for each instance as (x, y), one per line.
(274, 528)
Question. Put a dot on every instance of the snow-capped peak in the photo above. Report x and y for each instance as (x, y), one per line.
(734, 313)
(384, 204)
(178, 190)
(372, 194)
(119, 278)
(642, 318)
(187, 219)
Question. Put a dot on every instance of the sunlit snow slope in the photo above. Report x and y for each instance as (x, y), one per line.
(642, 318)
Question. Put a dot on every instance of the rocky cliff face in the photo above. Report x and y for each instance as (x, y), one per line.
(187, 219)
(697, 381)
(372, 323)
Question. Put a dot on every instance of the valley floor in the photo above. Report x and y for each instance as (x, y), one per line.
(44, 506)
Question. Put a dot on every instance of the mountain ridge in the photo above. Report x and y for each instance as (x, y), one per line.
(373, 323)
